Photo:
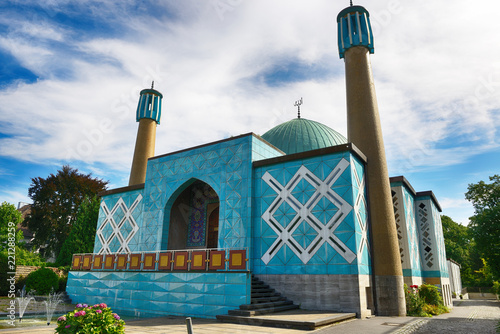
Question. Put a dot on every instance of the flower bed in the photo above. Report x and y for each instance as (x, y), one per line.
(423, 301)
(90, 319)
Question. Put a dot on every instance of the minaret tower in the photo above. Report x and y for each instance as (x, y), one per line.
(355, 39)
(148, 115)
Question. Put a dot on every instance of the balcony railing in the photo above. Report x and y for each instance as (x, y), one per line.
(175, 260)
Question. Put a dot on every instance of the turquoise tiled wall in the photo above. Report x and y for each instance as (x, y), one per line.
(225, 166)
(412, 232)
(404, 206)
(432, 248)
(123, 213)
(202, 295)
(261, 150)
(309, 217)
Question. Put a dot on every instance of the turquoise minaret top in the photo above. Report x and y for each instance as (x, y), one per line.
(354, 29)
(149, 105)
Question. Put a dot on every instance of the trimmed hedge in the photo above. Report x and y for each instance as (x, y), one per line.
(43, 281)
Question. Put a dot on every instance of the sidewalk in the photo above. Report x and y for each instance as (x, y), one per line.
(468, 316)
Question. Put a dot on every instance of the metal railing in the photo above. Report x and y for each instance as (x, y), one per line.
(169, 260)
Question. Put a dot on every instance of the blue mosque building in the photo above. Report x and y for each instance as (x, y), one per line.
(196, 228)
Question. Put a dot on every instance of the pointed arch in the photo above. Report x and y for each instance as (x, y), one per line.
(187, 216)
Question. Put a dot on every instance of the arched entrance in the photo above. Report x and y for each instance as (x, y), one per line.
(194, 218)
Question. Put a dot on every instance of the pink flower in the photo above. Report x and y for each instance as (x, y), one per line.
(102, 305)
(67, 326)
(62, 318)
(80, 313)
(98, 311)
(117, 317)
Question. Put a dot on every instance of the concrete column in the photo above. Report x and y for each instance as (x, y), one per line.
(144, 149)
(364, 131)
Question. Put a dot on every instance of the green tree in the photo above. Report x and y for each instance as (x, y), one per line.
(10, 218)
(55, 202)
(82, 236)
(457, 240)
(485, 224)
(461, 247)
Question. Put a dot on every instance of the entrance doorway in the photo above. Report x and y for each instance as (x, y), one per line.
(194, 218)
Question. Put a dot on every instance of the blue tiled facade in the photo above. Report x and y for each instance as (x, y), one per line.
(432, 248)
(310, 217)
(119, 224)
(404, 209)
(203, 295)
(420, 232)
(294, 215)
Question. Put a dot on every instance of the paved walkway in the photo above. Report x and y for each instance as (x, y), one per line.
(468, 316)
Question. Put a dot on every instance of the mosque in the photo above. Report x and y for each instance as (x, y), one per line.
(311, 213)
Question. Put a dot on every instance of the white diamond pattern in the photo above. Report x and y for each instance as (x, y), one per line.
(124, 214)
(362, 218)
(304, 213)
(411, 231)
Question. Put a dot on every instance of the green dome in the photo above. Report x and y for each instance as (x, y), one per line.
(300, 135)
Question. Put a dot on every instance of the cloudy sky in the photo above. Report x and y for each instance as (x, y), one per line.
(71, 72)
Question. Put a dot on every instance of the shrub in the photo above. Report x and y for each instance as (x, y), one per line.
(4, 269)
(93, 319)
(63, 280)
(43, 281)
(430, 294)
(414, 304)
(20, 282)
(423, 301)
(25, 257)
(496, 288)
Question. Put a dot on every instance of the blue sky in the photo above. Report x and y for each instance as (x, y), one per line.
(71, 72)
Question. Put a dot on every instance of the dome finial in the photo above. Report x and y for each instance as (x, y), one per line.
(152, 84)
(351, 2)
(298, 104)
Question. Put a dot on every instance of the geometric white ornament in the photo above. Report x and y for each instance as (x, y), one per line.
(303, 213)
(117, 225)
(411, 231)
(362, 219)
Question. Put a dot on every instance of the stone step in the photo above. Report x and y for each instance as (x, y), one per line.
(265, 305)
(261, 311)
(267, 299)
(285, 321)
(265, 294)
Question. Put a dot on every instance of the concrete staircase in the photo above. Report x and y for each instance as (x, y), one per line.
(269, 308)
(264, 301)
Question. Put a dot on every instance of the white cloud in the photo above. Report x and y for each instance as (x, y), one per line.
(435, 65)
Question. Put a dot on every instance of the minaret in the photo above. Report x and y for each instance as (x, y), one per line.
(355, 39)
(148, 115)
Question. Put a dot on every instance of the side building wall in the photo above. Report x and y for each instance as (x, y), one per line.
(310, 229)
(455, 278)
(403, 199)
(432, 248)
